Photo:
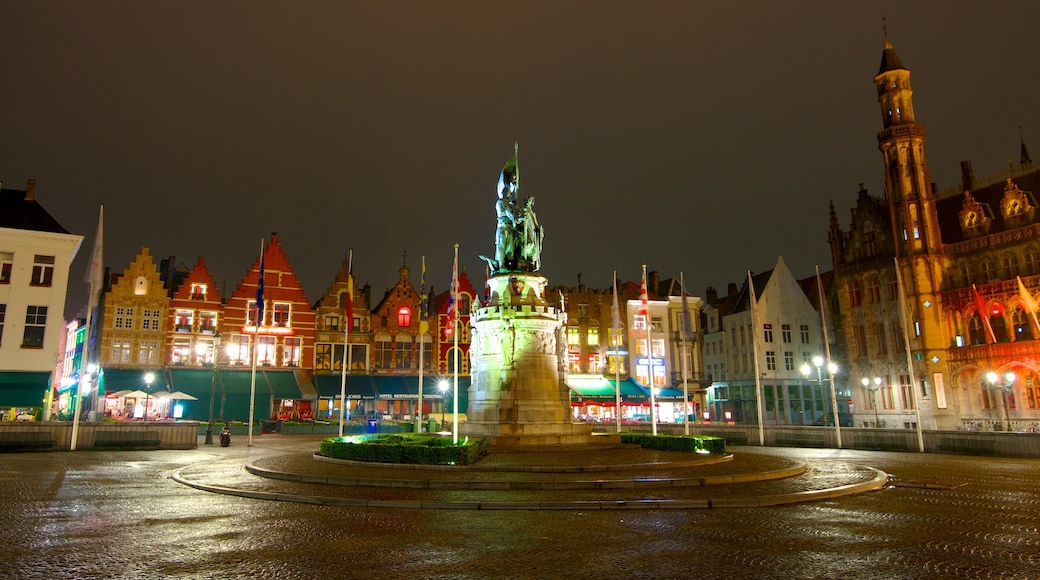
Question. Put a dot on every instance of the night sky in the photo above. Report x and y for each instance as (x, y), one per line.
(698, 137)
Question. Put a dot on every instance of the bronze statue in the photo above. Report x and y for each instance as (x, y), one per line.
(518, 235)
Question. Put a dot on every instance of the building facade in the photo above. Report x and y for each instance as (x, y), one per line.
(952, 274)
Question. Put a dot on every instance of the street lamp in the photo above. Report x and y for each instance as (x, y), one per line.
(873, 388)
(442, 385)
(832, 369)
(148, 378)
(213, 387)
(1005, 388)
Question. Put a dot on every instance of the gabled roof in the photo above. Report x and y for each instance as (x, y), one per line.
(19, 210)
(760, 280)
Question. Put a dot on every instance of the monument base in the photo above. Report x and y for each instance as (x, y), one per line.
(506, 435)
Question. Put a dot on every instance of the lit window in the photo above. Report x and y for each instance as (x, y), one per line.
(3, 315)
(323, 356)
(573, 336)
(183, 320)
(121, 351)
(148, 352)
(265, 350)
(251, 312)
(332, 322)
(404, 317)
(638, 322)
(655, 324)
(208, 322)
(238, 349)
(198, 291)
(6, 264)
(593, 337)
(291, 351)
(181, 351)
(281, 313)
(43, 270)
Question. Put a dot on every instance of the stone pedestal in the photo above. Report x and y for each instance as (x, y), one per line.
(517, 395)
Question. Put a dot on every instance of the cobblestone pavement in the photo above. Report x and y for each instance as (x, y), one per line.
(95, 514)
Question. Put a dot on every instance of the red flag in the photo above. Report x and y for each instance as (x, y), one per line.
(349, 306)
(980, 304)
(453, 304)
(644, 309)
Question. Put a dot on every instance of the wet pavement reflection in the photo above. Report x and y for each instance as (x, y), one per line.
(93, 514)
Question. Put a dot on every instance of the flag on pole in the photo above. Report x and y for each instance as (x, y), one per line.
(615, 309)
(980, 304)
(424, 306)
(453, 306)
(644, 308)
(687, 324)
(96, 269)
(349, 306)
(1029, 302)
(260, 293)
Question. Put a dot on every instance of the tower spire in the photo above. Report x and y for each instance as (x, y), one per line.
(1025, 159)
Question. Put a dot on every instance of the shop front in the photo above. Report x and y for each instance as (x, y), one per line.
(22, 394)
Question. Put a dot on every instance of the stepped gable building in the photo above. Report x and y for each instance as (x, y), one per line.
(960, 255)
(285, 334)
(331, 323)
(134, 318)
(588, 331)
(193, 318)
(35, 255)
(439, 324)
(395, 330)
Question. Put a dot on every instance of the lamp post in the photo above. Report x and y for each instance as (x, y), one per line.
(1006, 387)
(213, 387)
(148, 378)
(442, 385)
(873, 388)
(832, 369)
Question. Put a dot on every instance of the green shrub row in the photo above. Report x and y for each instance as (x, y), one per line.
(690, 443)
(405, 448)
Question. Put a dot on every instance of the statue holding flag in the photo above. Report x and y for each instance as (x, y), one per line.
(518, 235)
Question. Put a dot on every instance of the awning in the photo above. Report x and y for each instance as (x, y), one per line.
(631, 392)
(280, 384)
(133, 380)
(389, 387)
(23, 388)
(590, 388)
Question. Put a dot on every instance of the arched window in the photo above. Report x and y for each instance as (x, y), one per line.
(403, 353)
(1021, 321)
(383, 350)
(453, 355)
(404, 317)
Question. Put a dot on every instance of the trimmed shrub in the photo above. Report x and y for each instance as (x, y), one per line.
(404, 448)
(690, 444)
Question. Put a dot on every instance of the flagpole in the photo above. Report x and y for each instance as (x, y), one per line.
(455, 334)
(256, 343)
(904, 316)
(682, 355)
(95, 273)
(615, 318)
(754, 350)
(346, 335)
(649, 356)
(1030, 303)
(422, 344)
(827, 351)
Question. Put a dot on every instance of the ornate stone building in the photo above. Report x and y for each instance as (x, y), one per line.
(967, 262)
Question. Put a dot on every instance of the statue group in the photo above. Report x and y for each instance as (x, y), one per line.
(518, 235)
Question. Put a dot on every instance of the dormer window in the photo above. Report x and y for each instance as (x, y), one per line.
(198, 291)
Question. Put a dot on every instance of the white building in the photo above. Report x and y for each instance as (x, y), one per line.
(35, 255)
(787, 335)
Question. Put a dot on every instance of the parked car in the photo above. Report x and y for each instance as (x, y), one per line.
(828, 420)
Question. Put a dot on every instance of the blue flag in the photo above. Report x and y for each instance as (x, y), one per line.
(260, 294)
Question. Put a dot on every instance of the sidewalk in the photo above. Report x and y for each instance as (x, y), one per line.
(284, 468)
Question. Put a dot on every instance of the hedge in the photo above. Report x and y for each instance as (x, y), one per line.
(691, 443)
(404, 448)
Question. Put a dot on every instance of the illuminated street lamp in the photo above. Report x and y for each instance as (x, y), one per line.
(148, 378)
(442, 385)
(873, 388)
(832, 369)
(1005, 388)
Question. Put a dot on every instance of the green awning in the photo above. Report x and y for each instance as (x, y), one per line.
(23, 388)
(631, 391)
(357, 386)
(116, 379)
(591, 388)
(200, 384)
(280, 384)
